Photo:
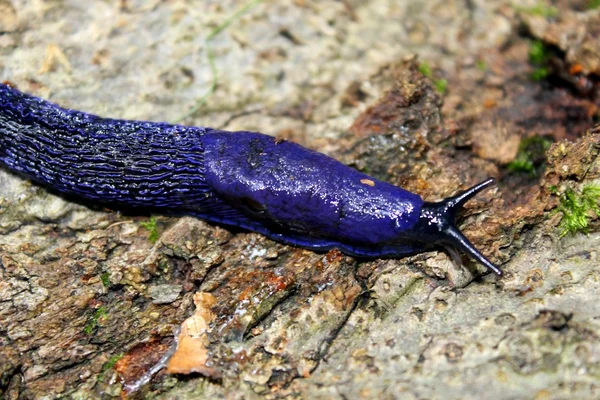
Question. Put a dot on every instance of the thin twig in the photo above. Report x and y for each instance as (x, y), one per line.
(211, 57)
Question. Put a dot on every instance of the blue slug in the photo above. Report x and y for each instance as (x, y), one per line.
(244, 179)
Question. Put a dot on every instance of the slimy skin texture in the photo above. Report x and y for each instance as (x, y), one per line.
(243, 179)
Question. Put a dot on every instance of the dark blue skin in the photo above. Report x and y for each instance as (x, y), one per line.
(244, 179)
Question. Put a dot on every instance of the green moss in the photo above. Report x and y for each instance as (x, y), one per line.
(105, 278)
(531, 155)
(110, 364)
(593, 4)
(151, 226)
(539, 73)
(538, 52)
(522, 163)
(541, 9)
(539, 55)
(577, 207)
(163, 265)
(441, 85)
(93, 322)
(425, 69)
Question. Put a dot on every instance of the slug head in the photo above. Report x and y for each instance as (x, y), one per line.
(437, 224)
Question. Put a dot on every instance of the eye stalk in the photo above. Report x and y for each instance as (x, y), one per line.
(437, 224)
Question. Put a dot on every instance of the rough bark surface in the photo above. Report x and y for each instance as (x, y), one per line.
(89, 305)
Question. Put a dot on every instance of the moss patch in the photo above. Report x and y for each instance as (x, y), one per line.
(151, 226)
(531, 155)
(577, 209)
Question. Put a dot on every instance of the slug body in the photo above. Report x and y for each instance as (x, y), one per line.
(244, 179)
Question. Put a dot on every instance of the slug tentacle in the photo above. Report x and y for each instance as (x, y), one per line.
(242, 179)
(438, 222)
(457, 202)
(458, 240)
